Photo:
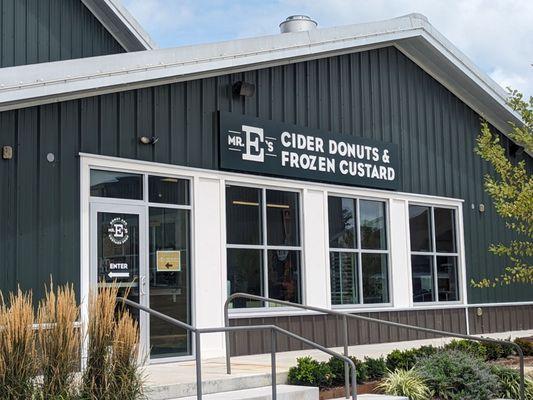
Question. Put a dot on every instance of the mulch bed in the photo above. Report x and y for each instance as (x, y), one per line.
(513, 361)
(338, 392)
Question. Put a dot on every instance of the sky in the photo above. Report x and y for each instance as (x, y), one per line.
(497, 35)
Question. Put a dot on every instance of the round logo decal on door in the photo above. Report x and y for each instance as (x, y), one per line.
(118, 231)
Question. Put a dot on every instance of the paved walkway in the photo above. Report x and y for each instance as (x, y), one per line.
(259, 365)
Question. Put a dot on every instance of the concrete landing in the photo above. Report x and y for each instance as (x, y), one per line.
(178, 379)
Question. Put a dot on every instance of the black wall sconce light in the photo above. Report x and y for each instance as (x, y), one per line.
(148, 140)
(241, 88)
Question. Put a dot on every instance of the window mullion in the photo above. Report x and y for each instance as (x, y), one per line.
(359, 256)
(434, 248)
(265, 244)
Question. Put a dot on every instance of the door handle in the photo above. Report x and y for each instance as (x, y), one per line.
(143, 283)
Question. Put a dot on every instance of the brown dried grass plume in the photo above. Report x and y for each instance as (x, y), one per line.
(59, 341)
(17, 346)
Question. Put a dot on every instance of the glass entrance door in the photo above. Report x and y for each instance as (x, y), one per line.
(118, 255)
(169, 277)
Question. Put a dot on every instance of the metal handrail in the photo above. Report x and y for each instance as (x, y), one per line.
(346, 315)
(274, 330)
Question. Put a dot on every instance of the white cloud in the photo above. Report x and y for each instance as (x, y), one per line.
(497, 35)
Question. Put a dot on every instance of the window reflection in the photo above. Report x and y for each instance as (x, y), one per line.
(445, 230)
(284, 275)
(282, 218)
(375, 278)
(372, 215)
(168, 190)
(343, 278)
(447, 278)
(420, 228)
(423, 287)
(245, 275)
(119, 185)
(342, 223)
(243, 215)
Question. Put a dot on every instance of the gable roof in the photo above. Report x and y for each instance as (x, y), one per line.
(412, 34)
(121, 24)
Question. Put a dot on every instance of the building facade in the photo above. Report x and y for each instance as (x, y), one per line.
(332, 167)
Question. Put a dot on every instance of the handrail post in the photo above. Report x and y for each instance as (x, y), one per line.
(354, 383)
(522, 374)
(273, 348)
(198, 367)
(227, 338)
(346, 366)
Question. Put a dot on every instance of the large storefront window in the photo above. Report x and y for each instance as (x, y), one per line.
(434, 256)
(359, 255)
(263, 244)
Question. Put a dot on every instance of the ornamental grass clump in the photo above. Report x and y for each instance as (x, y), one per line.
(58, 342)
(127, 380)
(112, 370)
(509, 380)
(17, 347)
(100, 328)
(408, 383)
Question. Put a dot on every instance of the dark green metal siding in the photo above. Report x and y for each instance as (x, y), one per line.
(379, 94)
(35, 31)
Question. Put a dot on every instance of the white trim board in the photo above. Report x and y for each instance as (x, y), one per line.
(121, 24)
(412, 34)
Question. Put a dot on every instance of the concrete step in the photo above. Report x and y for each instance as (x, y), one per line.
(218, 384)
(284, 392)
(378, 397)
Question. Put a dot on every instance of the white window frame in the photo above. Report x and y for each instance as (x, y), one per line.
(359, 251)
(264, 247)
(458, 237)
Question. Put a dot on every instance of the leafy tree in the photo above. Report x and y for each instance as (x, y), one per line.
(511, 190)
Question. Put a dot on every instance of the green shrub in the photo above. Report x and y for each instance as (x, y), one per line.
(406, 359)
(456, 375)
(376, 368)
(495, 351)
(406, 383)
(525, 345)
(337, 368)
(509, 380)
(309, 372)
(472, 347)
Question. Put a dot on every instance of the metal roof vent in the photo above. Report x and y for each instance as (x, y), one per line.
(297, 23)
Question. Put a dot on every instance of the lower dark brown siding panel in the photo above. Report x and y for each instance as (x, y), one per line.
(327, 329)
(500, 319)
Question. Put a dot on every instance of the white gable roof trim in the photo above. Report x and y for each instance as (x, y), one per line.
(412, 34)
(121, 24)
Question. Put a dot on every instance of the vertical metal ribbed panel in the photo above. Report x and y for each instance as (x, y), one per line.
(501, 319)
(35, 31)
(378, 94)
(327, 330)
